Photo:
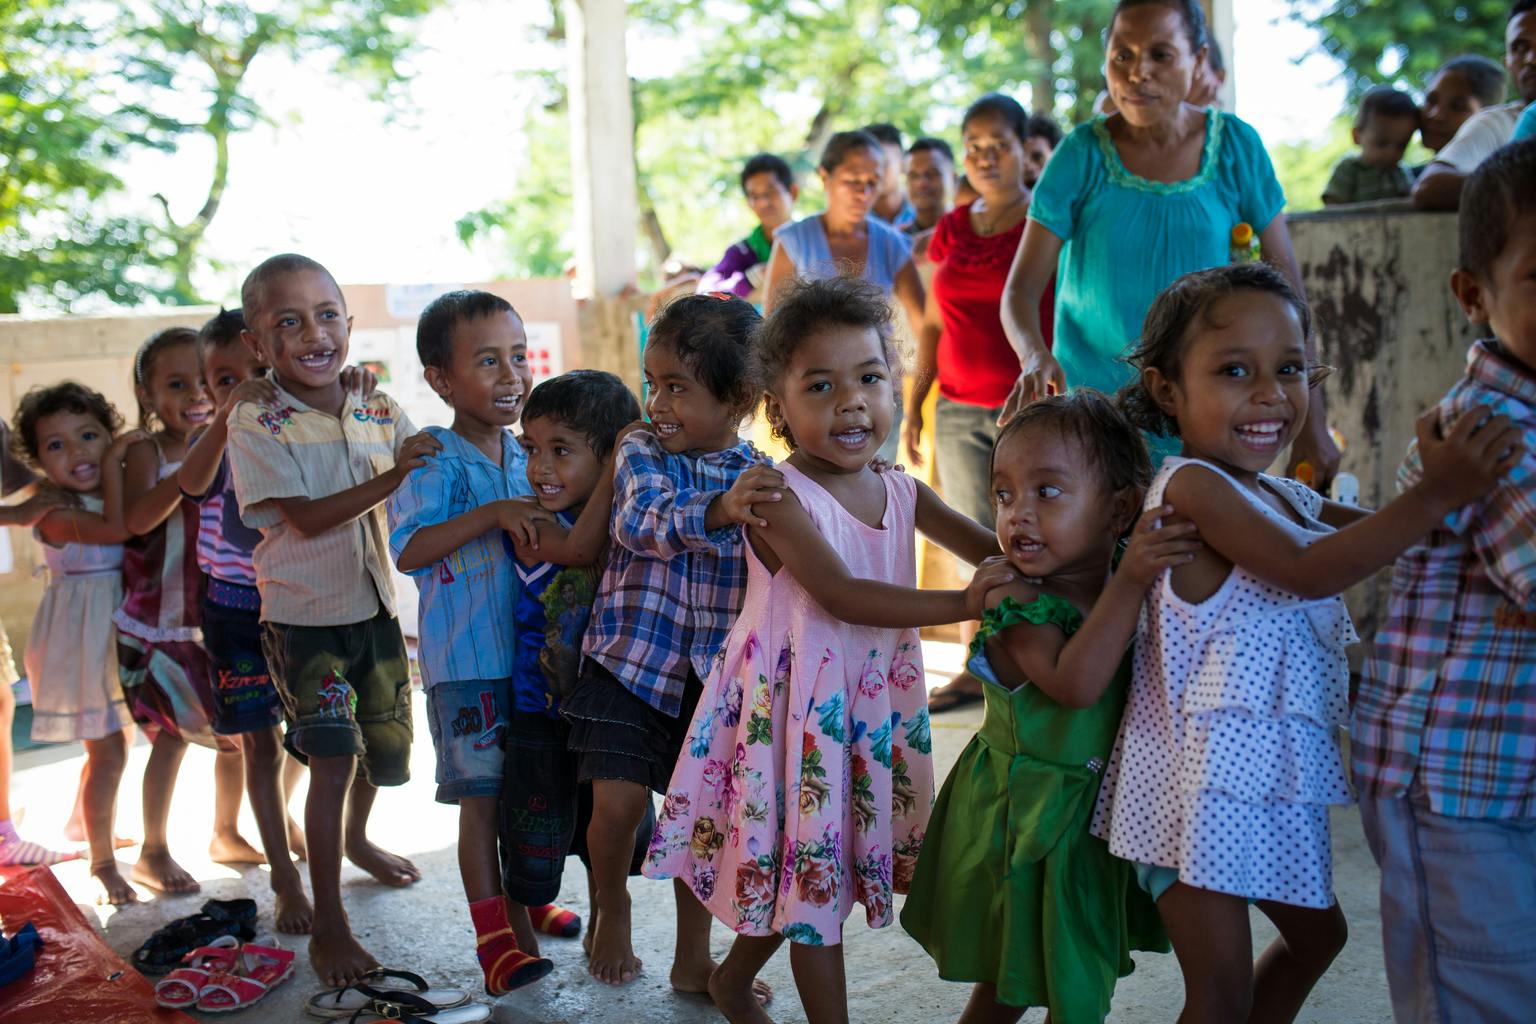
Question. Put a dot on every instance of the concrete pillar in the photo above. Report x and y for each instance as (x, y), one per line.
(1219, 15)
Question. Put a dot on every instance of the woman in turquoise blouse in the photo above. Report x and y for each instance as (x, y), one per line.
(1132, 201)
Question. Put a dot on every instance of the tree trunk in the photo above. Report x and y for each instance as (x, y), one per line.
(1037, 30)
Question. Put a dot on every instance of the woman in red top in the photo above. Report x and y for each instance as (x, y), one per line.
(962, 343)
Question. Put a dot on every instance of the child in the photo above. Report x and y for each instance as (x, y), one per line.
(1444, 744)
(806, 781)
(1460, 88)
(245, 703)
(571, 425)
(671, 588)
(771, 192)
(64, 431)
(1044, 915)
(1227, 761)
(1383, 128)
(312, 474)
(159, 636)
(447, 521)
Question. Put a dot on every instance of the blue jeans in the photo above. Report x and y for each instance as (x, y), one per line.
(1458, 912)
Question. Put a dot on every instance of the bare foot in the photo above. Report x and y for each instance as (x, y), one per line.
(231, 848)
(337, 957)
(115, 888)
(75, 833)
(738, 1003)
(612, 956)
(296, 841)
(701, 979)
(388, 868)
(295, 915)
(156, 869)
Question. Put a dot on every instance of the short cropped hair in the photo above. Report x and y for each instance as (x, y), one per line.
(1044, 126)
(771, 163)
(884, 133)
(222, 329)
(251, 292)
(434, 330)
(66, 397)
(594, 403)
(928, 144)
(1500, 191)
(1385, 101)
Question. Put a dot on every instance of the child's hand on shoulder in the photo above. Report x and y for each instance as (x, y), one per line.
(257, 390)
(1470, 460)
(1159, 541)
(35, 509)
(760, 483)
(992, 573)
(117, 451)
(415, 452)
(520, 517)
(358, 379)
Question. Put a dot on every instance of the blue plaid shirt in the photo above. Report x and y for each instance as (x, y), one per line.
(672, 589)
(466, 599)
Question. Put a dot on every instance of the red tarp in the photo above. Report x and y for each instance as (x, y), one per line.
(78, 979)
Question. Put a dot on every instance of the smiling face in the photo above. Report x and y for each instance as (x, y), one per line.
(836, 397)
(173, 390)
(301, 329)
(70, 446)
(226, 367)
(1383, 140)
(770, 201)
(1148, 64)
(853, 185)
(1520, 54)
(487, 376)
(1447, 105)
(1242, 395)
(563, 470)
(1055, 514)
(684, 413)
(994, 156)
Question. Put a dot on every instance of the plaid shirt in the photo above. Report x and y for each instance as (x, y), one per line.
(1448, 696)
(672, 589)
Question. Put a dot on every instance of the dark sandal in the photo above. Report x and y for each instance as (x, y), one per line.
(408, 1009)
(950, 697)
(360, 995)
(163, 951)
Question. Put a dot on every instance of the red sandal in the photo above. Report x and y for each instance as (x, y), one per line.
(258, 970)
(184, 986)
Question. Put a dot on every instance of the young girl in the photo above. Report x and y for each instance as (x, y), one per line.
(1226, 763)
(65, 431)
(1011, 891)
(805, 783)
(163, 666)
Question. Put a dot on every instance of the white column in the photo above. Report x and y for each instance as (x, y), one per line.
(1223, 27)
(602, 147)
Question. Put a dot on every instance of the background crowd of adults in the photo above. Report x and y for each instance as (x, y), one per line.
(1032, 270)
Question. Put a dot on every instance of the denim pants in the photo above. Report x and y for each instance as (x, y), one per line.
(963, 436)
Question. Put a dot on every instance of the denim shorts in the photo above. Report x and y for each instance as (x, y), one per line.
(468, 723)
(1458, 911)
(963, 438)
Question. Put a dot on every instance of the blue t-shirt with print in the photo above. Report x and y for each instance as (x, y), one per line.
(550, 615)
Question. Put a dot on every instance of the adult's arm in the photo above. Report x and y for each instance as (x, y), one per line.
(1034, 263)
(1438, 188)
(908, 288)
(781, 271)
(923, 376)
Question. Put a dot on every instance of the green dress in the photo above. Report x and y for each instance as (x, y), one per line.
(1010, 887)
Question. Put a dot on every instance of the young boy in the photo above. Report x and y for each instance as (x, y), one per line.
(1383, 128)
(312, 474)
(1444, 735)
(930, 182)
(570, 427)
(1040, 142)
(771, 192)
(246, 704)
(447, 524)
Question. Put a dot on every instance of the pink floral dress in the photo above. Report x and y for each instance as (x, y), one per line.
(806, 781)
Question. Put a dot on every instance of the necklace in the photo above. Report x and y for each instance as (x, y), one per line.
(986, 227)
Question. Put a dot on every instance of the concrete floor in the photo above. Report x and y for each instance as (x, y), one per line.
(426, 928)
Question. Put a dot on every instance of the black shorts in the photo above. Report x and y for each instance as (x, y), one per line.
(244, 697)
(616, 735)
(545, 810)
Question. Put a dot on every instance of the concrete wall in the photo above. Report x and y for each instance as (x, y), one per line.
(1377, 277)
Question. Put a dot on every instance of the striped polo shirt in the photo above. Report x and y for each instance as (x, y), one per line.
(290, 450)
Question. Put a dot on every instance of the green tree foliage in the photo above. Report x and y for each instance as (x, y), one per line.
(767, 75)
(1397, 43)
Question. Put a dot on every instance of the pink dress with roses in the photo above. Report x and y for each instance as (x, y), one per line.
(806, 780)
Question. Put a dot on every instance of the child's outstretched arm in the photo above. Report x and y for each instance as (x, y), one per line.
(1458, 468)
(79, 526)
(584, 540)
(311, 517)
(1074, 671)
(791, 543)
(206, 450)
(953, 531)
(430, 544)
(659, 519)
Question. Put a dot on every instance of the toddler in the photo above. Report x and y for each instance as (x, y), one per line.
(1384, 125)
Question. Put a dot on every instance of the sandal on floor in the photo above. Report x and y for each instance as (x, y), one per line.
(954, 695)
(183, 986)
(258, 970)
(339, 1002)
(164, 950)
(405, 1008)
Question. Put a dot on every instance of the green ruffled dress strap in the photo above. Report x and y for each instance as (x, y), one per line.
(1046, 609)
(1120, 175)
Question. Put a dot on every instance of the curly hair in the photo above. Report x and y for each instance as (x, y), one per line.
(1166, 331)
(1113, 446)
(712, 336)
(68, 396)
(808, 307)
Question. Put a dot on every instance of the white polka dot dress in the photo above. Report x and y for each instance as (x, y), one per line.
(1227, 758)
